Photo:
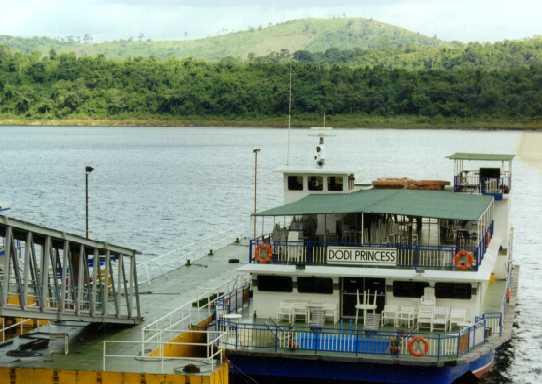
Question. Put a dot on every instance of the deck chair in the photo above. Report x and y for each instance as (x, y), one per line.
(407, 314)
(440, 318)
(426, 315)
(331, 313)
(428, 297)
(390, 313)
(300, 309)
(458, 318)
(285, 312)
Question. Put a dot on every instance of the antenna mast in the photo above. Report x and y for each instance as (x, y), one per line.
(289, 116)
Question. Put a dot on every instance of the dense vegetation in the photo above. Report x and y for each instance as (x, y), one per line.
(313, 35)
(61, 86)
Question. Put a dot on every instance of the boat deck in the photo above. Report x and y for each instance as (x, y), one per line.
(162, 295)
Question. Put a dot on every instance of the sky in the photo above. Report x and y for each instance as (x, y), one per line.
(463, 20)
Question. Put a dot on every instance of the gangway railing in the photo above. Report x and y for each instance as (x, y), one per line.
(202, 306)
(128, 349)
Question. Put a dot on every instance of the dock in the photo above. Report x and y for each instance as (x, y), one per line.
(108, 352)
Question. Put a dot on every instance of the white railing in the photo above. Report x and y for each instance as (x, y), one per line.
(213, 347)
(195, 310)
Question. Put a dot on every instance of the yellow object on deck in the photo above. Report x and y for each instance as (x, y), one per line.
(492, 278)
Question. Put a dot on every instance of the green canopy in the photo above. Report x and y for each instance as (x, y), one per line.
(481, 156)
(433, 204)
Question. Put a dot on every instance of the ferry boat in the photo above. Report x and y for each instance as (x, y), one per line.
(397, 282)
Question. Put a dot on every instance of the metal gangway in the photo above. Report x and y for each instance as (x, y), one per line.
(48, 274)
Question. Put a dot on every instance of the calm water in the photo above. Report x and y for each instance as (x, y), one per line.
(156, 189)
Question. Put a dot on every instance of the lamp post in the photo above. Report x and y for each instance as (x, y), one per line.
(88, 170)
(255, 151)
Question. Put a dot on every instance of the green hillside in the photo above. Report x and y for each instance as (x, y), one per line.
(313, 35)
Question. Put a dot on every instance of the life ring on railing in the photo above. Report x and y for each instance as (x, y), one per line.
(418, 346)
(263, 253)
(463, 260)
(508, 295)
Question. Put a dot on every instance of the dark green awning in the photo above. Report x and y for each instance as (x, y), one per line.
(433, 204)
(481, 156)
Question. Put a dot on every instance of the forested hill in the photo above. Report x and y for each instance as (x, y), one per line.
(312, 35)
(65, 86)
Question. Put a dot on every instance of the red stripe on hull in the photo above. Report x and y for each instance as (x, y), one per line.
(482, 371)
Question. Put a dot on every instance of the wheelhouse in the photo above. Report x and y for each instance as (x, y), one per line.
(488, 174)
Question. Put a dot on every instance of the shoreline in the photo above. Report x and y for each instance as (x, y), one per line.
(304, 121)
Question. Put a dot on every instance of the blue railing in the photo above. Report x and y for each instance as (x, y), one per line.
(494, 186)
(408, 256)
(309, 252)
(276, 338)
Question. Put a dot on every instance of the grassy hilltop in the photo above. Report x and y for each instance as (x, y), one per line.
(313, 35)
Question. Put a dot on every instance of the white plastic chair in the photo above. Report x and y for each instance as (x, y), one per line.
(365, 305)
(426, 315)
(300, 309)
(390, 313)
(407, 314)
(285, 311)
(440, 318)
(428, 297)
(331, 312)
(458, 318)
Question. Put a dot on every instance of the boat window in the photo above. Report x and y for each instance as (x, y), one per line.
(453, 291)
(316, 183)
(335, 183)
(412, 289)
(275, 283)
(295, 183)
(315, 285)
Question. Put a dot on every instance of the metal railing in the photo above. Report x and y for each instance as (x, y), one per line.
(275, 338)
(484, 185)
(19, 324)
(408, 256)
(214, 351)
(229, 297)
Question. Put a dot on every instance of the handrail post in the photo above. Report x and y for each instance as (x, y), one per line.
(251, 242)
(458, 343)
(103, 357)
(438, 347)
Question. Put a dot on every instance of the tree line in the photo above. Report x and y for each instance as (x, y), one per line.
(61, 86)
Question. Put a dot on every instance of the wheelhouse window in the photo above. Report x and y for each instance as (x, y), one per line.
(410, 289)
(335, 183)
(274, 283)
(315, 285)
(295, 183)
(316, 183)
(453, 291)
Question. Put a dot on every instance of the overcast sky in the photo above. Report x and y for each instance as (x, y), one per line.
(465, 20)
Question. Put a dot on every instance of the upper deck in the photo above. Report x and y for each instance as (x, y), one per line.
(404, 229)
(487, 174)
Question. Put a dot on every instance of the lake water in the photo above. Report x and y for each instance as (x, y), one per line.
(158, 189)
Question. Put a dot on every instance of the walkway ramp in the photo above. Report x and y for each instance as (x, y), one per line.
(52, 275)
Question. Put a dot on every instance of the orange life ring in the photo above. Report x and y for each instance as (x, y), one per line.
(460, 262)
(264, 253)
(508, 295)
(413, 346)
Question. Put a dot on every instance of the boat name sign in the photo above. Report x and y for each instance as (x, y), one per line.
(362, 256)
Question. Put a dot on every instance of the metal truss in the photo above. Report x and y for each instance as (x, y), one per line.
(51, 275)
